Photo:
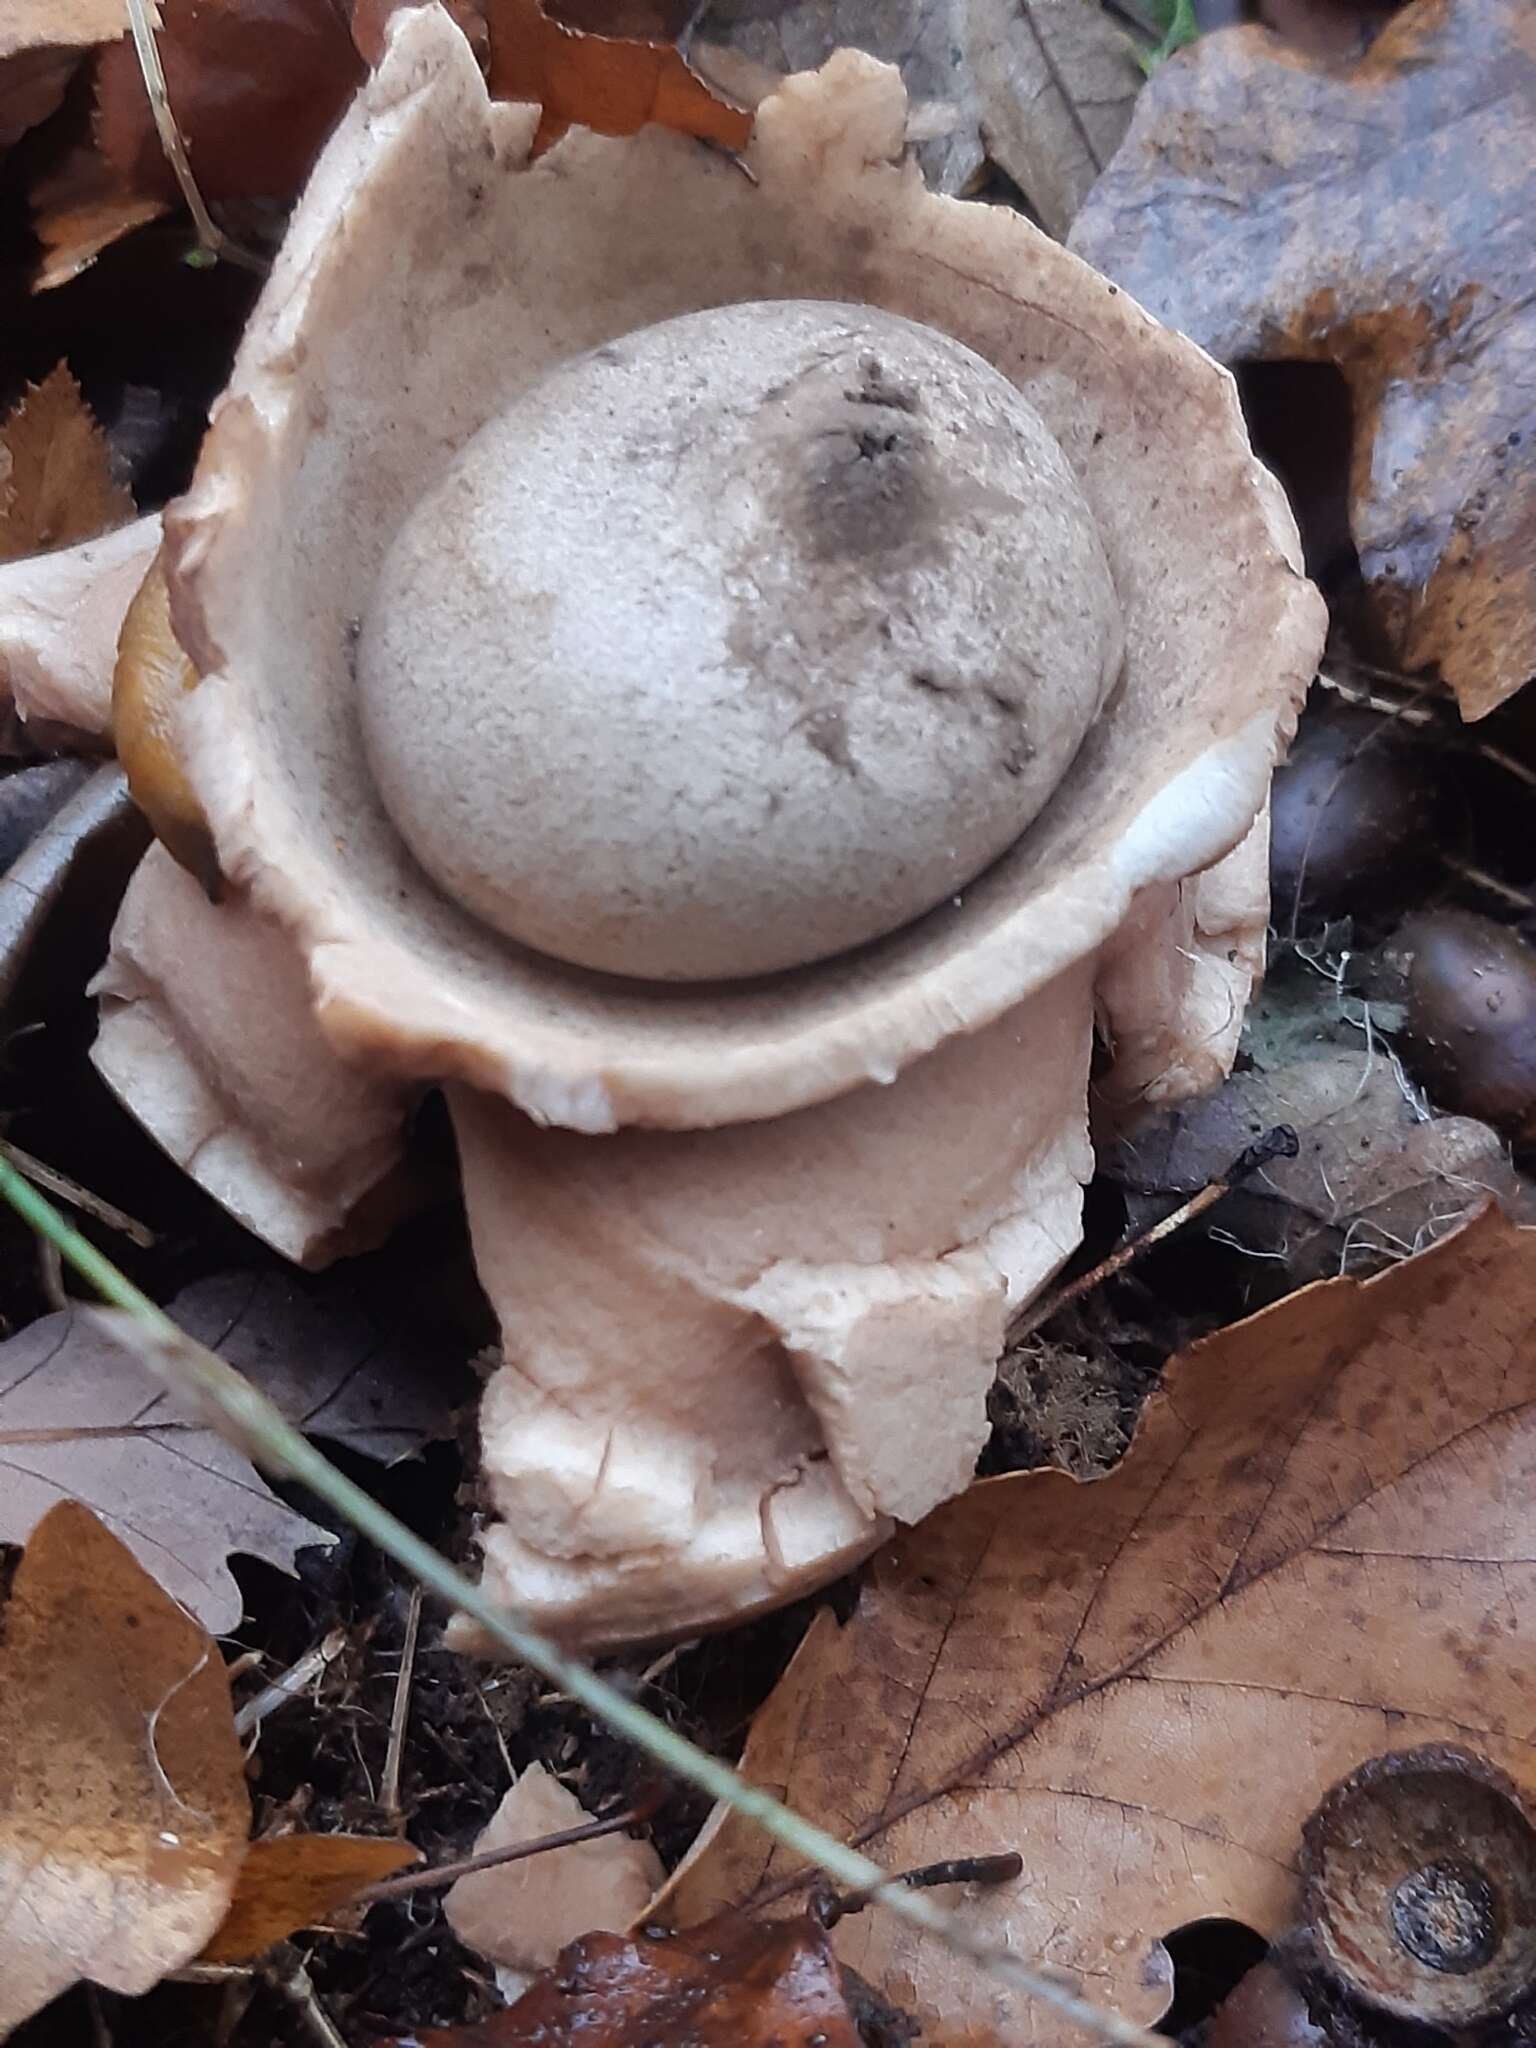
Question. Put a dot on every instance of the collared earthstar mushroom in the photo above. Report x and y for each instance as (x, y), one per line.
(725, 667)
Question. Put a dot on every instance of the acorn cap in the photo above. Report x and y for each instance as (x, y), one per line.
(1419, 1875)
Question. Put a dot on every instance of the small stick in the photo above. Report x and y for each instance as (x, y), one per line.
(1416, 715)
(389, 1788)
(209, 233)
(295, 1984)
(67, 1190)
(489, 1859)
(1280, 1143)
(1480, 879)
(1001, 1869)
(289, 1685)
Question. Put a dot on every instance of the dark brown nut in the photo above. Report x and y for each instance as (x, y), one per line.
(1469, 1033)
(1353, 817)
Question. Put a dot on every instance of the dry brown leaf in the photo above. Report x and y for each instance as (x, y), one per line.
(78, 210)
(295, 1881)
(1057, 80)
(1377, 218)
(736, 1984)
(254, 87)
(123, 1807)
(56, 483)
(1321, 1545)
(607, 83)
(81, 1419)
(41, 42)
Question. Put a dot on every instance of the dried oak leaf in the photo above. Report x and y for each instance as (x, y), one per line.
(123, 1806)
(81, 1420)
(290, 1882)
(1321, 1545)
(608, 83)
(734, 1983)
(1376, 218)
(256, 88)
(56, 482)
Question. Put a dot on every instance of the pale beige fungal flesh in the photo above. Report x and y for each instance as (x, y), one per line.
(207, 1033)
(753, 1242)
(431, 277)
(59, 619)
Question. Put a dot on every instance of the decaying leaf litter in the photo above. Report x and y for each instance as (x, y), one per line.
(1320, 1533)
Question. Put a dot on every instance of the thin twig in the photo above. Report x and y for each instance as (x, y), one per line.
(389, 1785)
(253, 1423)
(211, 236)
(1479, 878)
(492, 1859)
(1280, 1143)
(293, 1980)
(78, 1197)
(1413, 714)
(290, 1684)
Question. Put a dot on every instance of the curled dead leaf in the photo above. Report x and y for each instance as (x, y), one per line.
(735, 1983)
(1322, 1532)
(608, 83)
(56, 482)
(41, 43)
(123, 1807)
(1375, 217)
(291, 1882)
(82, 856)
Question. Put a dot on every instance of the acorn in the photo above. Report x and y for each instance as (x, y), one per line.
(1419, 1887)
(1354, 813)
(1468, 987)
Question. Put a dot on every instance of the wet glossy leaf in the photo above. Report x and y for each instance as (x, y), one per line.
(732, 1984)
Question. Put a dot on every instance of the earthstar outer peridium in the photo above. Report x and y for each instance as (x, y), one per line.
(732, 672)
